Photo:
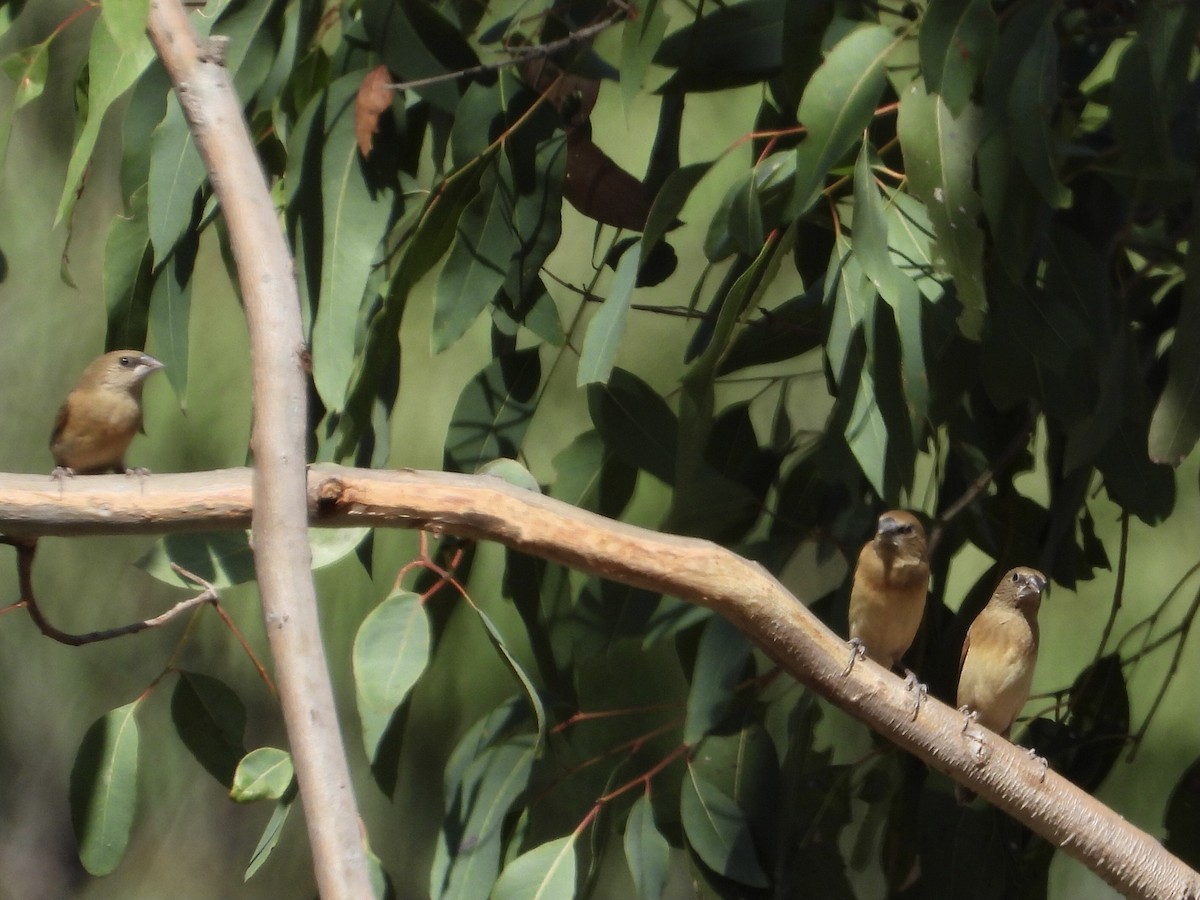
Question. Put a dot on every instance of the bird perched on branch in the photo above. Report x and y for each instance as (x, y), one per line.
(890, 584)
(102, 414)
(999, 655)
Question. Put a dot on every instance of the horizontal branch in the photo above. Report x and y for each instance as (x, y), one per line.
(699, 571)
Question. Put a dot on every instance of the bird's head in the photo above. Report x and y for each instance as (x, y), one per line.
(900, 534)
(121, 370)
(1024, 587)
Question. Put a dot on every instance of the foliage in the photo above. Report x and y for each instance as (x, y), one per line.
(960, 232)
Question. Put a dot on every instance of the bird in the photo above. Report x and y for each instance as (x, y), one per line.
(887, 599)
(995, 670)
(101, 415)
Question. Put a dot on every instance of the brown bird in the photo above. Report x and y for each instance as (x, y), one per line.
(999, 654)
(890, 584)
(102, 414)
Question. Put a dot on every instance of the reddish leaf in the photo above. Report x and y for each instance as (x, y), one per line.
(374, 97)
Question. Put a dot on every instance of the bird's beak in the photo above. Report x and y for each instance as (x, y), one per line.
(148, 366)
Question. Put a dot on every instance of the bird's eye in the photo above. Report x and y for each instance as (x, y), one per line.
(1015, 577)
(905, 529)
(126, 361)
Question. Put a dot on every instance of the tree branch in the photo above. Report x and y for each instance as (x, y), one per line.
(486, 508)
(282, 557)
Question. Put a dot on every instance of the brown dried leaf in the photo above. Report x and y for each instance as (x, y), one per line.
(602, 190)
(374, 97)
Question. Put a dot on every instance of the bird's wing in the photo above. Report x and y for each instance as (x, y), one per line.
(60, 422)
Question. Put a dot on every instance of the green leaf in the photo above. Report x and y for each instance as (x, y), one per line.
(717, 830)
(939, 153)
(837, 105)
(853, 298)
(224, 558)
(170, 312)
(270, 836)
(176, 174)
(789, 330)
(112, 70)
(355, 217)
(604, 332)
(1032, 106)
(27, 68)
(391, 651)
(640, 39)
(546, 872)
(513, 472)
(1175, 425)
(381, 355)
(1141, 123)
(531, 692)
(669, 202)
(956, 41)
(721, 660)
(494, 411)
(416, 41)
(210, 720)
(635, 423)
(646, 851)
(739, 44)
(264, 773)
(591, 477)
(467, 856)
(126, 20)
(477, 264)
(128, 276)
(104, 789)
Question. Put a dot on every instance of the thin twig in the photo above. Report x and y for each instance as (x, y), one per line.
(26, 550)
(976, 487)
(1119, 588)
(520, 54)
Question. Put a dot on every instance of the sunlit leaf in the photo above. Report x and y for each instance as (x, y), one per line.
(956, 39)
(264, 773)
(176, 174)
(604, 332)
(355, 215)
(112, 71)
(547, 872)
(837, 105)
(939, 154)
(391, 651)
(270, 836)
(467, 855)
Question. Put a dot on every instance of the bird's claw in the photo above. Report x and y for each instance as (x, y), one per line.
(975, 736)
(1033, 754)
(858, 650)
(139, 471)
(922, 691)
(61, 472)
